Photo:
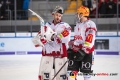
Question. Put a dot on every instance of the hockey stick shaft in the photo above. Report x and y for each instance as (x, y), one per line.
(41, 20)
(36, 15)
(60, 70)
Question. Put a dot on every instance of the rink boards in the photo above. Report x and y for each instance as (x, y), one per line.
(105, 44)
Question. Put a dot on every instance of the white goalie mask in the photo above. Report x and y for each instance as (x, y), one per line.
(58, 9)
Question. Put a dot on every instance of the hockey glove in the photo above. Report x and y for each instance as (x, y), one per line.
(79, 55)
(39, 40)
(56, 39)
(70, 54)
(76, 48)
(76, 56)
(49, 33)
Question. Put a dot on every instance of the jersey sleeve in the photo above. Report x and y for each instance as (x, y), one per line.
(90, 35)
(66, 31)
(65, 34)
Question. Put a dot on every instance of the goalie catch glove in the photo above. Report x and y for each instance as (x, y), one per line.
(39, 40)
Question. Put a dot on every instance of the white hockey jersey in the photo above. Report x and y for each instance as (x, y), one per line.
(84, 35)
(55, 49)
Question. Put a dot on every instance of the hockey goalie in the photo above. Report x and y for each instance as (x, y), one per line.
(54, 43)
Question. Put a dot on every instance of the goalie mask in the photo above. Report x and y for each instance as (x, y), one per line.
(58, 9)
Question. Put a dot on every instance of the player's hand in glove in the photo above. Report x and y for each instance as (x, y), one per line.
(76, 56)
(57, 38)
(75, 48)
(39, 40)
(79, 55)
(75, 52)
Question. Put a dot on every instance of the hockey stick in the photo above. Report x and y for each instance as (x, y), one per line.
(40, 19)
(59, 70)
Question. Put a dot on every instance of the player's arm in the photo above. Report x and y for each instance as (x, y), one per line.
(64, 35)
(88, 45)
(39, 40)
(78, 40)
(66, 32)
(42, 39)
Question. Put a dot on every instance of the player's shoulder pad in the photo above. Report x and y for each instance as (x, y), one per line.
(90, 23)
(61, 22)
(65, 24)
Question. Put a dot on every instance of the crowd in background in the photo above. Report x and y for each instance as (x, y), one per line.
(7, 9)
(106, 8)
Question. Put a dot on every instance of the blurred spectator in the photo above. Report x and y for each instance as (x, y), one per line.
(9, 4)
(10, 7)
(119, 8)
(19, 9)
(25, 8)
(87, 3)
(2, 10)
(111, 8)
(113, 1)
(93, 10)
(103, 9)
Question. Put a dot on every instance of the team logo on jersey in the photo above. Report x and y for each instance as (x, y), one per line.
(89, 38)
(65, 33)
(78, 37)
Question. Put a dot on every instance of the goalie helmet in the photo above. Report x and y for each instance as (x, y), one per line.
(84, 10)
(58, 9)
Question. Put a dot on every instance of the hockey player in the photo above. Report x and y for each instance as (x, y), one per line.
(54, 41)
(82, 46)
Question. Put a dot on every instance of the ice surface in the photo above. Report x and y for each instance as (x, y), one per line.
(26, 67)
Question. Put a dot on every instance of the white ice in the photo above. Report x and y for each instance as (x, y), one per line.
(26, 67)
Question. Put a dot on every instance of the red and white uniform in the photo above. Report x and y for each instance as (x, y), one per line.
(54, 48)
(84, 36)
(55, 52)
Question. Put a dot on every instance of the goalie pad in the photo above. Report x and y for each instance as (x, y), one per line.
(46, 68)
(59, 62)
